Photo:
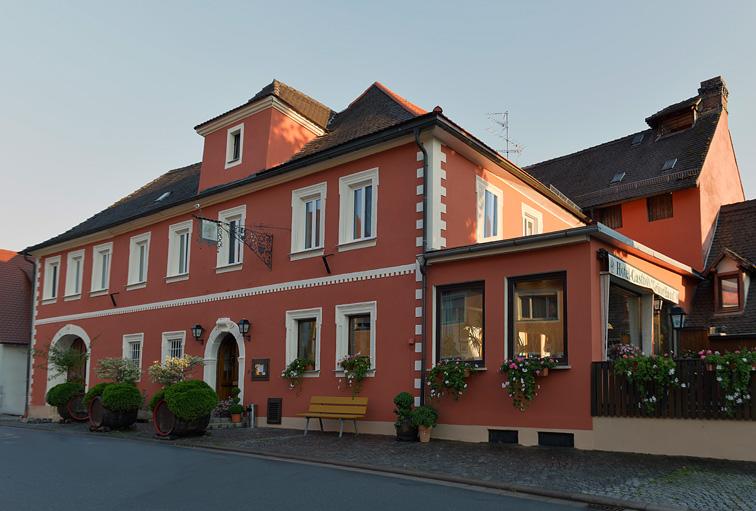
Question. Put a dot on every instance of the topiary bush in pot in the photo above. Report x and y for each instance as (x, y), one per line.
(425, 419)
(183, 408)
(68, 398)
(405, 430)
(236, 409)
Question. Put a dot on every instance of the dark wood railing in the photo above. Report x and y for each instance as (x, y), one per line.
(701, 398)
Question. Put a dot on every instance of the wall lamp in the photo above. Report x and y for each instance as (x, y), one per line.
(197, 332)
(244, 326)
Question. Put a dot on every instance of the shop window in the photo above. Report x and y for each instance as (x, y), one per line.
(459, 328)
(537, 316)
(659, 207)
(728, 292)
(624, 317)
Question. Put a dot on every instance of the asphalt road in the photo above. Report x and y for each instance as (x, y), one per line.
(41, 470)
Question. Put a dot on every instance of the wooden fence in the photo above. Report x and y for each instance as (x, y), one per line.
(701, 398)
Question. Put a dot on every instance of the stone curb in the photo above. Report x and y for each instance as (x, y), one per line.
(433, 476)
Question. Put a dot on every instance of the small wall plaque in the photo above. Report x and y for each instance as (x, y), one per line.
(260, 369)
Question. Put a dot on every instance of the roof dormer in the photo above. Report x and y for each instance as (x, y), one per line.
(266, 131)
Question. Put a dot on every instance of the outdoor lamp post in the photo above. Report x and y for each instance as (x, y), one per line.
(197, 332)
(244, 328)
(677, 315)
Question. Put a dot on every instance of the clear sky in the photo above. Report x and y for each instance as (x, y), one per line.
(97, 99)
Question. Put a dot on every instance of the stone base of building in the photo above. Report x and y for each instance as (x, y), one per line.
(43, 412)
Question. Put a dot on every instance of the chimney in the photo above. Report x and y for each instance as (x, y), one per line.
(713, 93)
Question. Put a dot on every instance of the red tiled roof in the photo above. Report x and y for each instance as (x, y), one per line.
(15, 298)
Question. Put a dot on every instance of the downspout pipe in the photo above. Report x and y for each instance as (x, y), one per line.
(422, 266)
(31, 331)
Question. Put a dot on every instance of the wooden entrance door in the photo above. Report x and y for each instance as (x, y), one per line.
(77, 373)
(228, 367)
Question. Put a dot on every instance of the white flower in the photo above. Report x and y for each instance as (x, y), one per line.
(672, 371)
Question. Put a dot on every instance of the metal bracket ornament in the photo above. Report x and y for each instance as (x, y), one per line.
(259, 242)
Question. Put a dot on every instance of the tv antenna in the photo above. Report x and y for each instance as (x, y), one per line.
(501, 130)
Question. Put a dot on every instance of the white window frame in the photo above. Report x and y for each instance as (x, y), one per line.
(483, 186)
(130, 339)
(299, 199)
(174, 231)
(292, 332)
(342, 313)
(50, 288)
(165, 348)
(74, 284)
(230, 162)
(134, 243)
(346, 209)
(238, 213)
(531, 215)
(98, 271)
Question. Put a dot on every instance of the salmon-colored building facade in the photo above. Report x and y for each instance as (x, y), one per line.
(389, 230)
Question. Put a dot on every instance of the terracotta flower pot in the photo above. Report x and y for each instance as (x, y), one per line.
(424, 433)
(467, 373)
(236, 418)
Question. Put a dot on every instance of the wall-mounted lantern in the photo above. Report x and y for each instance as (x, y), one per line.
(197, 332)
(677, 315)
(658, 304)
(244, 326)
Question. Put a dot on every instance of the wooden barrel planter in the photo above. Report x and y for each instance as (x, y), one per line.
(168, 425)
(102, 418)
(74, 410)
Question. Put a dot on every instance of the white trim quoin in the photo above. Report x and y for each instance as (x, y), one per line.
(342, 278)
(292, 332)
(342, 328)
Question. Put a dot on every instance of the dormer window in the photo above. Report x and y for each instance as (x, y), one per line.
(729, 292)
(234, 145)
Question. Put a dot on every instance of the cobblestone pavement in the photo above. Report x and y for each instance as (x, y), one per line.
(699, 484)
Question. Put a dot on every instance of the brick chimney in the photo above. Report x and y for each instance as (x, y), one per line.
(713, 93)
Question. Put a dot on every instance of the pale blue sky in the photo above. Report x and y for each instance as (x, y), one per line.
(96, 100)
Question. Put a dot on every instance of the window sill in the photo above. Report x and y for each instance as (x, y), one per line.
(47, 301)
(340, 373)
(562, 368)
(136, 285)
(311, 374)
(356, 244)
(99, 292)
(176, 278)
(70, 298)
(306, 254)
(233, 163)
(227, 268)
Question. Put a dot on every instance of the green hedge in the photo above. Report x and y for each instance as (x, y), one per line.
(159, 396)
(60, 394)
(94, 392)
(121, 397)
(190, 400)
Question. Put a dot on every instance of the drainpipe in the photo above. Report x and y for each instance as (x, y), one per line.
(31, 331)
(423, 284)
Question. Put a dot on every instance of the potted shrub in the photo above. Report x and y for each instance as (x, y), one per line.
(114, 404)
(183, 408)
(424, 418)
(356, 368)
(449, 377)
(236, 409)
(405, 430)
(295, 371)
(68, 398)
(521, 373)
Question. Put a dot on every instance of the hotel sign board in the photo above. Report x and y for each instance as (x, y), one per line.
(622, 270)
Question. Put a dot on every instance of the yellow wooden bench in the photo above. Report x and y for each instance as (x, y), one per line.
(335, 407)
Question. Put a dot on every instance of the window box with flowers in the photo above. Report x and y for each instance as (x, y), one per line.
(356, 368)
(650, 376)
(521, 373)
(733, 374)
(449, 377)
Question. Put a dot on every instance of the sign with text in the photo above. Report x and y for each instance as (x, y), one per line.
(622, 270)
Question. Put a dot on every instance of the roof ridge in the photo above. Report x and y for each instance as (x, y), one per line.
(403, 102)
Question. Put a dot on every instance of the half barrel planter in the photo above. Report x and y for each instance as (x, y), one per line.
(74, 409)
(167, 425)
(101, 418)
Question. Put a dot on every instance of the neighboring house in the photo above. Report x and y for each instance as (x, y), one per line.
(16, 275)
(385, 230)
(723, 312)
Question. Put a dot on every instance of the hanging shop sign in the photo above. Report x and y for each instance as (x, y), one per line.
(622, 270)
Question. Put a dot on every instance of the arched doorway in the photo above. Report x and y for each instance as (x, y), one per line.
(227, 371)
(77, 373)
(71, 336)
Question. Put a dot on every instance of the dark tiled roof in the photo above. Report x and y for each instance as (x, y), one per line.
(585, 176)
(15, 298)
(314, 110)
(375, 109)
(736, 226)
(687, 104)
(180, 184)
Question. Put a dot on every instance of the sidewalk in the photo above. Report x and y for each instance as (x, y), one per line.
(699, 484)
